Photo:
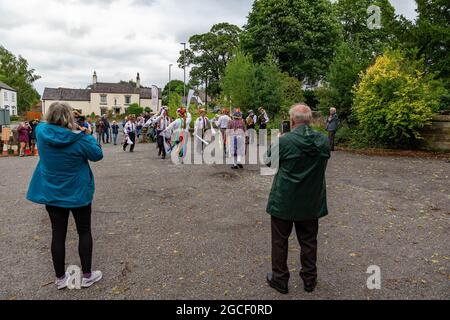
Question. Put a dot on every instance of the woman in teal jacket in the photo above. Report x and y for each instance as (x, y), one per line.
(64, 183)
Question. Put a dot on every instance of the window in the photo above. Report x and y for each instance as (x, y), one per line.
(127, 100)
(103, 99)
(6, 96)
(103, 111)
(13, 97)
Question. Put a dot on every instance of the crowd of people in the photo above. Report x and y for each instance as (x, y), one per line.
(298, 195)
(27, 137)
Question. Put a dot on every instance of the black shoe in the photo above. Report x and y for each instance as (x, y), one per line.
(310, 286)
(280, 287)
(240, 166)
(234, 167)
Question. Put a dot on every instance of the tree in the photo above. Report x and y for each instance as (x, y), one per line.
(432, 35)
(176, 86)
(209, 54)
(15, 72)
(342, 76)
(252, 85)
(395, 98)
(353, 16)
(301, 34)
(238, 81)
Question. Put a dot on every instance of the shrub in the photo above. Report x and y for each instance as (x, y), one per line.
(395, 99)
(134, 109)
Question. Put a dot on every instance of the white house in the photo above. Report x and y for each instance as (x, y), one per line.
(8, 99)
(101, 97)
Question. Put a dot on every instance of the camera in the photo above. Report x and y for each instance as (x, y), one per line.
(81, 120)
(285, 127)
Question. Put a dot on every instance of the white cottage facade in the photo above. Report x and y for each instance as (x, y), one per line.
(101, 97)
(8, 99)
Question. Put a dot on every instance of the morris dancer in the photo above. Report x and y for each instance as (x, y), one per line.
(237, 131)
(181, 129)
(162, 122)
(222, 124)
(130, 134)
(201, 126)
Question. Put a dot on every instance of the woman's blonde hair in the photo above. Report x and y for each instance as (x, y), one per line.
(61, 114)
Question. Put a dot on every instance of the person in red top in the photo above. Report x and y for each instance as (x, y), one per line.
(23, 130)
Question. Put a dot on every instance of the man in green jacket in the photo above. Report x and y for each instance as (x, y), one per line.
(298, 197)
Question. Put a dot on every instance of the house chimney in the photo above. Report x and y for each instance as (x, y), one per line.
(94, 78)
(138, 81)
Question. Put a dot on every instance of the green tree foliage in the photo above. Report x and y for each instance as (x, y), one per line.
(301, 34)
(176, 86)
(238, 81)
(342, 76)
(15, 72)
(356, 53)
(252, 85)
(432, 35)
(395, 98)
(135, 109)
(353, 17)
(209, 54)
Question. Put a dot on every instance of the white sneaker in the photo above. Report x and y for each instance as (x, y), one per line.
(63, 283)
(96, 276)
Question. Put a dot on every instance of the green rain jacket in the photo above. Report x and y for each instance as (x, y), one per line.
(299, 188)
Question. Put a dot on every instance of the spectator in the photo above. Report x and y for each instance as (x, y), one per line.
(115, 132)
(64, 183)
(332, 126)
(99, 128)
(263, 119)
(23, 130)
(106, 128)
(33, 126)
(298, 197)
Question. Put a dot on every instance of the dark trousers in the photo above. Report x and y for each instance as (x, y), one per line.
(105, 136)
(132, 136)
(161, 147)
(60, 218)
(331, 136)
(307, 232)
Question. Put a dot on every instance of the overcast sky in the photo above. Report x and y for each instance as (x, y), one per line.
(66, 40)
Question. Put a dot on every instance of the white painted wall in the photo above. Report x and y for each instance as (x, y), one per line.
(11, 101)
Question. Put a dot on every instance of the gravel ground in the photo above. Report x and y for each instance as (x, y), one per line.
(201, 232)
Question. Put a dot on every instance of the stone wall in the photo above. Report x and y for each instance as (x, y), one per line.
(437, 134)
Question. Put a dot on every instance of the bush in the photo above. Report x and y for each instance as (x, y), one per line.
(134, 109)
(14, 118)
(395, 99)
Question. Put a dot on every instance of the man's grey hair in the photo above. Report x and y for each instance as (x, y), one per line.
(333, 110)
(61, 114)
(301, 113)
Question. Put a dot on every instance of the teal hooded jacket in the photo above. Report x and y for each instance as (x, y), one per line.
(63, 177)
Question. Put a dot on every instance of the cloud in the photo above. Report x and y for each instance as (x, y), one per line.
(66, 40)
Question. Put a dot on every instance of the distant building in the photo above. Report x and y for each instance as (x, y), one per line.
(101, 97)
(8, 99)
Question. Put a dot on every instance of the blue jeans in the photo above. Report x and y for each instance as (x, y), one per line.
(115, 135)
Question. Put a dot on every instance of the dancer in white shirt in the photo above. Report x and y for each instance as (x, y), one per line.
(201, 126)
(130, 134)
